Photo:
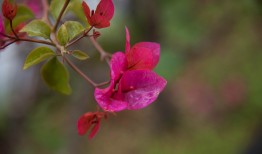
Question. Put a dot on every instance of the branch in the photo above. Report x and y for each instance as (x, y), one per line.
(8, 44)
(79, 38)
(103, 53)
(80, 72)
(11, 25)
(36, 41)
(27, 40)
(61, 14)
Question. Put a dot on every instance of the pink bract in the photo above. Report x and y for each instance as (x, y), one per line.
(143, 55)
(133, 85)
(100, 18)
(88, 120)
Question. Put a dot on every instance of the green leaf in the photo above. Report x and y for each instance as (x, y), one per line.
(80, 55)
(56, 76)
(23, 15)
(56, 7)
(74, 28)
(37, 28)
(62, 35)
(37, 55)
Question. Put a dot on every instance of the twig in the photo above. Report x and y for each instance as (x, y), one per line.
(11, 25)
(79, 38)
(80, 72)
(27, 40)
(36, 41)
(103, 53)
(8, 44)
(60, 15)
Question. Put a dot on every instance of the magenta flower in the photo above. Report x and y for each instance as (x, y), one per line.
(133, 83)
(100, 18)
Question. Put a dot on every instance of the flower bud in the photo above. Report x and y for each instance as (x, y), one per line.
(9, 10)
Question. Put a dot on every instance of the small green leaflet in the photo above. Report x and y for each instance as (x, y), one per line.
(37, 28)
(80, 55)
(68, 31)
(56, 76)
(74, 28)
(37, 55)
(62, 35)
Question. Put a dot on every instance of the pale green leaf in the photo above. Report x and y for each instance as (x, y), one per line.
(62, 35)
(56, 76)
(80, 55)
(56, 7)
(74, 28)
(37, 28)
(37, 55)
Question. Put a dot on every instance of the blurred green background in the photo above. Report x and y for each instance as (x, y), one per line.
(211, 55)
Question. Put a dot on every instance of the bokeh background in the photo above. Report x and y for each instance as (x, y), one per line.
(211, 56)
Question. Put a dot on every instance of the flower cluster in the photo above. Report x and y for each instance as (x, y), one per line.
(133, 84)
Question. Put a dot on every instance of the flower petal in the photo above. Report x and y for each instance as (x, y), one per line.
(118, 65)
(84, 123)
(87, 12)
(140, 88)
(99, 21)
(144, 55)
(94, 130)
(127, 40)
(108, 101)
(106, 9)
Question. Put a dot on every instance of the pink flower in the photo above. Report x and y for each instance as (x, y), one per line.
(87, 120)
(100, 18)
(133, 83)
(9, 10)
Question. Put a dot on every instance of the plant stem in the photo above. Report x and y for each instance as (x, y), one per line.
(60, 15)
(36, 41)
(74, 67)
(8, 44)
(11, 26)
(79, 38)
(16, 39)
(103, 53)
(80, 72)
